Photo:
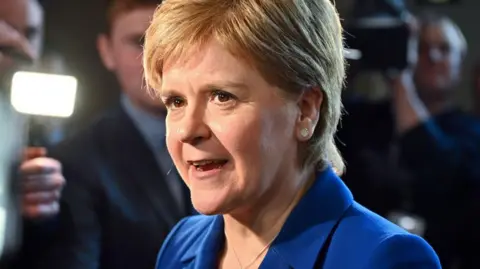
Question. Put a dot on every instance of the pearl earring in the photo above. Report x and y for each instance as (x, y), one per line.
(304, 132)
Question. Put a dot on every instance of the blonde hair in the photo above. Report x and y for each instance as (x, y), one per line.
(295, 44)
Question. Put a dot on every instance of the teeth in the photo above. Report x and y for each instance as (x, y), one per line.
(205, 162)
(202, 163)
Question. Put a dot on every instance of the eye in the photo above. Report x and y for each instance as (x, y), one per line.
(222, 97)
(174, 102)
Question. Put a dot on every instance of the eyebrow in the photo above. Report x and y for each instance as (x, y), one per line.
(210, 86)
(225, 85)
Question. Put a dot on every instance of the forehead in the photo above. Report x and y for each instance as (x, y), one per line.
(135, 21)
(15, 13)
(441, 32)
(209, 62)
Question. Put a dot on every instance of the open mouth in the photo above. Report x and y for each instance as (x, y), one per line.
(207, 165)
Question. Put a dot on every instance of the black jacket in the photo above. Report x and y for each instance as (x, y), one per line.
(116, 209)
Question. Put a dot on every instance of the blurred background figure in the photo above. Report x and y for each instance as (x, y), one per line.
(21, 24)
(413, 155)
(442, 49)
(123, 194)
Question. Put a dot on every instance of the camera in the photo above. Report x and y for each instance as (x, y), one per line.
(379, 34)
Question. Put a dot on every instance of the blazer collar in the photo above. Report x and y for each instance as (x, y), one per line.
(301, 237)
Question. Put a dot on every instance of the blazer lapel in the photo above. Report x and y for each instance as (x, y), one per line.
(301, 238)
(308, 227)
(139, 163)
(206, 255)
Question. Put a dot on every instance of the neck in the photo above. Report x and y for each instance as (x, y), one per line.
(253, 229)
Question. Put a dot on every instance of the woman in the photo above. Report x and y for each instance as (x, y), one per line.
(252, 89)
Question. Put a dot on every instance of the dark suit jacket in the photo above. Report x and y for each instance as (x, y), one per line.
(327, 229)
(116, 209)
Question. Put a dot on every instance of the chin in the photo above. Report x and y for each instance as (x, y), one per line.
(212, 202)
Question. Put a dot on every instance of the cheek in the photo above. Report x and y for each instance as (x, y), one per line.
(133, 69)
(237, 134)
(174, 147)
(130, 62)
(253, 138)
(172, 143)
(423, 71)
(131, 79)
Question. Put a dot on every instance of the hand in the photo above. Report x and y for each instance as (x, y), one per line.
(15, 43)
(42, 183)
(409, 110)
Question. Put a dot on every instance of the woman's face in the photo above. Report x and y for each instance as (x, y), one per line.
(231, 135)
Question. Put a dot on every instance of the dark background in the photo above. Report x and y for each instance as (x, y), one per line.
(72, 27)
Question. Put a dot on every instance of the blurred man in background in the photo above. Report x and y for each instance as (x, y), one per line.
(417, 156)
(122, 195)
(20, 45)
(20, 35)
(442, 50)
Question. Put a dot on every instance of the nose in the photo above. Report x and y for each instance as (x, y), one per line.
(192, 129)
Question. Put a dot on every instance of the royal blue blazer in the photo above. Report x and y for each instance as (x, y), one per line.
(327, 229)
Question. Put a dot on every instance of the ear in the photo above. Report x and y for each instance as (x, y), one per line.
(104, 48)
(309, 105)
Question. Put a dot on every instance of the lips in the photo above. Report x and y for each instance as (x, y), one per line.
(207, 165)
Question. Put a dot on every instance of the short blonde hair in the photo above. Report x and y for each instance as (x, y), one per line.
(295, 44)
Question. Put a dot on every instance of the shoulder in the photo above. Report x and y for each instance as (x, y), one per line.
(403, 251)
(184, 240)
(375, 242)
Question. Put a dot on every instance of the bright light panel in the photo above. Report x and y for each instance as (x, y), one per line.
(43, 94)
